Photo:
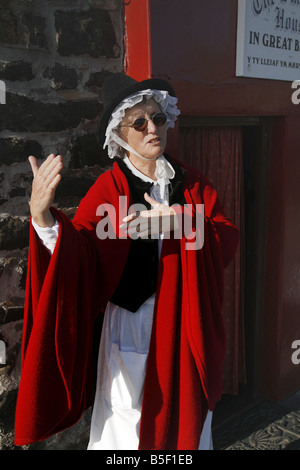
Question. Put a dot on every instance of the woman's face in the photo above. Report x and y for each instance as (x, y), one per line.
(151, 142)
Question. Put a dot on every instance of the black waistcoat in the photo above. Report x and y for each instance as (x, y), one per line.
(139, 278)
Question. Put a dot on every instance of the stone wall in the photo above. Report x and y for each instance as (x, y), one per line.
(54, 56)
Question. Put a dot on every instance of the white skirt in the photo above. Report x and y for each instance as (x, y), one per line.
(122, 362)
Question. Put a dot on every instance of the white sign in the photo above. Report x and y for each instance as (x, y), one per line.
(268, 39)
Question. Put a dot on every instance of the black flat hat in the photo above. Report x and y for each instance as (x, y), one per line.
(119, 86)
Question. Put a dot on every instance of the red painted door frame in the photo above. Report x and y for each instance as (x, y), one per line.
(137, 40)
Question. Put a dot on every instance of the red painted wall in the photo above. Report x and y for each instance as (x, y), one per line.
(193, 45)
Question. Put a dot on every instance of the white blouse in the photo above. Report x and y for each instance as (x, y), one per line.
(122, 360)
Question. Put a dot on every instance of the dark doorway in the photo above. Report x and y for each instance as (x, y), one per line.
(256, 154)
(256, 142)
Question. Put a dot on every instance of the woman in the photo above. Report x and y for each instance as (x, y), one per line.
(162, 337)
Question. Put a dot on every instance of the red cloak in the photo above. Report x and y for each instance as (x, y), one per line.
(66, 292)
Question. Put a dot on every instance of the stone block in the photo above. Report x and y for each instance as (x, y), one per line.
(11, 314)
(14, 232)
(62, 77)
(27, 115)
(111, 5)
(17, 192)
(86, 151)
(13, 270)
(34, 31)
(9, 29)
(7, 405)
(15, 150)
(96, 80)
(16, 70)
(85, 33)
(2, 313)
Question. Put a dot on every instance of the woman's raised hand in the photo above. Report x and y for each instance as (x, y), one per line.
(45, 181)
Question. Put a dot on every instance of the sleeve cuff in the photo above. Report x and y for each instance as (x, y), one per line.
(47, 235)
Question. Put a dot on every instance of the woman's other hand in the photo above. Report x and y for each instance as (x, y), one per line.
(45, 181)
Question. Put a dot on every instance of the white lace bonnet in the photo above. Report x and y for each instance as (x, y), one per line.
(115, 145)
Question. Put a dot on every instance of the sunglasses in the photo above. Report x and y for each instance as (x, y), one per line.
(140, 124)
